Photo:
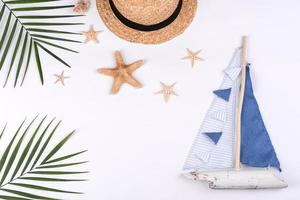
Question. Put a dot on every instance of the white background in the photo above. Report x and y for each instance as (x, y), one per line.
(137, 143)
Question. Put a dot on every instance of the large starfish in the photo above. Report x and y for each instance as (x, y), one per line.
(122, 73)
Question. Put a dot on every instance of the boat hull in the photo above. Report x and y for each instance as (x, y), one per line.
(239, 179)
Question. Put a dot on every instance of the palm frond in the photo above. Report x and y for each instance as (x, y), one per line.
(28, 1)
(41, 8)
(46, 16)
(2, 132)
(20, 40)
(25, 169)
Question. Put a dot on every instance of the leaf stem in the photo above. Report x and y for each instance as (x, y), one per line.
(33, 39)
(9, 182)
(4, 3)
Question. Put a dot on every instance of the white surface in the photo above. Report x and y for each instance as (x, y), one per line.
(137, 144)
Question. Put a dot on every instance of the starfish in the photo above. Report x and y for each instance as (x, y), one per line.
(122, 73)
(167, 91)
(61, 78)
(82, 6)
(91, 35)
(193, 56)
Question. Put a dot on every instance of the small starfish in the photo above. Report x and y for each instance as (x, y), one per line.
(167, 91)
(82, 6)
(122, 73)
(61, 78)
(91, 35)
(193, 56)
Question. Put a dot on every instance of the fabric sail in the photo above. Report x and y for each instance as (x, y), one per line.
(256, 147)
(214, 144)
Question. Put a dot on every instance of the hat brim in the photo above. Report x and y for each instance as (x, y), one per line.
(174, 29)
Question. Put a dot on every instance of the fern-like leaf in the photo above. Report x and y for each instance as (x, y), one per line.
(20, 181)
(20, 40)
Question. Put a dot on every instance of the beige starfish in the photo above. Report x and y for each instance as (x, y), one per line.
(81, 6)
(61, 78)
(167, 91)
(193, 56)
(91, 35)
(122, 73)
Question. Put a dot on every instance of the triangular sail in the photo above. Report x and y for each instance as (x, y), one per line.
(256, 147)
(215, 151)
(223, 93)
(214, 136)
(233, 148)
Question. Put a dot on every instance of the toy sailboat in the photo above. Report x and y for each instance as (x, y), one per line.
(233, 149)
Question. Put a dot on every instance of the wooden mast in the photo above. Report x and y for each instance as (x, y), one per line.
(244, 55)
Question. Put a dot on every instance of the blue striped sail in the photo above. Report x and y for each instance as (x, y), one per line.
(213, 147)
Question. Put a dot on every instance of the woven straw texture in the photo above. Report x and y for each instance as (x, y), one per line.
(147, 12)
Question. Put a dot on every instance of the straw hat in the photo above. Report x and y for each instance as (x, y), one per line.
(147, 21)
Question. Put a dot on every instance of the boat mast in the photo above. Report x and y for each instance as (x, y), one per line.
(244, 55)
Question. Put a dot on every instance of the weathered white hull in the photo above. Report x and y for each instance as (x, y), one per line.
(244, 178)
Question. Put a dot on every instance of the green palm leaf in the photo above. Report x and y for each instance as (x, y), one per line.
(46, 179)
(23, 38)
(37, 187)
(65, 157)
(28, 1)
(52, 31)
(38, 62)
(54, 38)
(21, 59)
(28, 195)
(61, 165)
(41, 8)
(41, 177)
(50, 24)
(27, 63)
(55, 45)
(12, 198)
(6, 152)
(2, 12)
(5, 29)
(14, 154)
(26, 149)
(2, 132)
(8, 44)
(46, 16)
(14, 54)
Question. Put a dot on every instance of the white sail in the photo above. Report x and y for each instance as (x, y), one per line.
(220, 118)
